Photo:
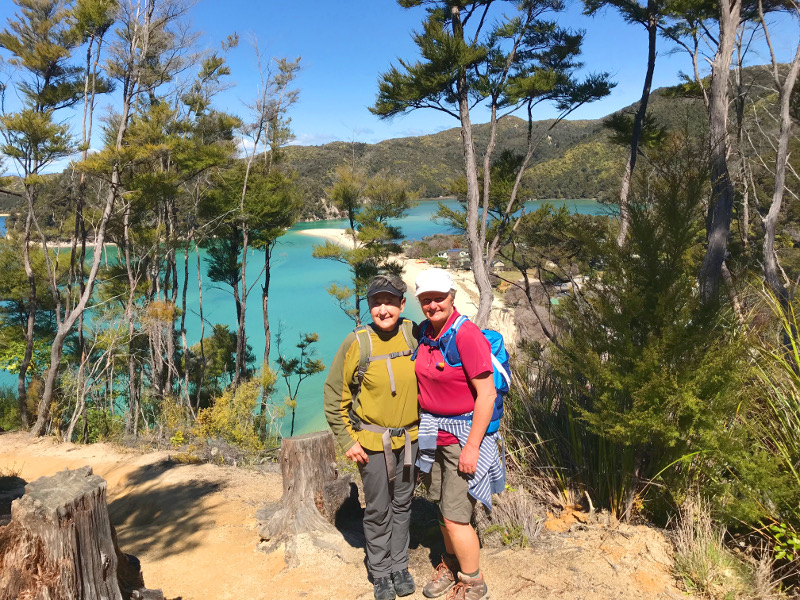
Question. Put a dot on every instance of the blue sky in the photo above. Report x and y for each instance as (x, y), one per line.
(346, 44)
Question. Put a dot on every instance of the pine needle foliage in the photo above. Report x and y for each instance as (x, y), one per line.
(658, 372)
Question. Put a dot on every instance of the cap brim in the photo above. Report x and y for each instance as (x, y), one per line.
(389, 289)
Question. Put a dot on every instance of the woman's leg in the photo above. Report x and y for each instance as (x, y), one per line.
(456, 506)
(377, 515)
(401, 510)
(464, 543)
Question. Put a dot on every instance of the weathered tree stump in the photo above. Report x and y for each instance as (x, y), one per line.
(60, 544)
(313, 493)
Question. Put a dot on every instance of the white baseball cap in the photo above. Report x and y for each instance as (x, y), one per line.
(434, 280)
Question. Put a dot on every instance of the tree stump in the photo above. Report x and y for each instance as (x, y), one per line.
(60, 544)
(313, 493)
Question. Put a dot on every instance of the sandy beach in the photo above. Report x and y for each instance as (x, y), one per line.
(501, 318)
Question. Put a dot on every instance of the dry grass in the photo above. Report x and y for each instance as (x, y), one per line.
(516, 519)
(709, 569)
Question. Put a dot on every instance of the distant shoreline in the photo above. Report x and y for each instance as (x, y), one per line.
(467, 295)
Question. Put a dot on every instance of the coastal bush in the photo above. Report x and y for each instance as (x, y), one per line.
(212, 366)
(230, 419)
(9, 409)
(102, 426)
(769, 473)
(429, 246)
(646, 379)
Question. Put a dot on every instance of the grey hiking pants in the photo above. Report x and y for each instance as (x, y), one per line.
(388, 512)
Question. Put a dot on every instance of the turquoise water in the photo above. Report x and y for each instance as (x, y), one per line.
(299, 302)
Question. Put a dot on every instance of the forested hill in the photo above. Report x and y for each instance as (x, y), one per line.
(575, 159)
(429, 161)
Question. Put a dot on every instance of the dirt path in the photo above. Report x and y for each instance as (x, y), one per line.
(193, 528)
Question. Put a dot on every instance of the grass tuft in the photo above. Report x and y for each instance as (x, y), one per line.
(702, 561)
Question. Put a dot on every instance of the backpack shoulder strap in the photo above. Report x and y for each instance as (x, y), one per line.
(407, 327)
(422, 329)
(452, 357)
(364, 351)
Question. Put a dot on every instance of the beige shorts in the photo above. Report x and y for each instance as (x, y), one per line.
(448, 486)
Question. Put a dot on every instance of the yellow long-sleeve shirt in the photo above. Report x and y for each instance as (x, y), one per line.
(375, 404)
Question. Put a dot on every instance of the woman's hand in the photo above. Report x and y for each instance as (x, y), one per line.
(356, 453)
(468, 461)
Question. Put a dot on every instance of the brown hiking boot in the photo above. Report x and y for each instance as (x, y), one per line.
(443, 578)
(469, 588)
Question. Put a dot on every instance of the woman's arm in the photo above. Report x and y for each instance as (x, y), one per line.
(482, 415)
(337, 398)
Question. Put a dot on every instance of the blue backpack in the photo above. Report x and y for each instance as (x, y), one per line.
(449, 349)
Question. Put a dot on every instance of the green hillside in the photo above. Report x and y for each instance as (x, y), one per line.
(429, 161)
(574, 160)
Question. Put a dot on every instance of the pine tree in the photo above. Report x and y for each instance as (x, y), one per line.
(474, 54)
(369, 205)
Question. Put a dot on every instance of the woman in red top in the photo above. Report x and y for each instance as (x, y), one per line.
(449, 391)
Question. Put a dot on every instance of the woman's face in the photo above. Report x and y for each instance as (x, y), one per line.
(385, 309)
(437, 307)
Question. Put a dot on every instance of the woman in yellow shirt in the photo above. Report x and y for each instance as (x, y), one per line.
(370, 399)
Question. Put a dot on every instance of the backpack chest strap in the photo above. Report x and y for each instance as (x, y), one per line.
(388, 358)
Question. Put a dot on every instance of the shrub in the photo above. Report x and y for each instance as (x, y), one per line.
(9, 409)
(230, 419)
(516, 519)
(647, 378)
(428, 247)
(772, 476)
(101, 426)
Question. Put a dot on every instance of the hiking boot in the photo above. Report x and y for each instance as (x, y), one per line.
(384, 588)
(443, 578)
(469, 588)
(403, 583)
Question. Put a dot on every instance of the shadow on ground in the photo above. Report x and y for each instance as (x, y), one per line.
(11, 488)
(160, 518)
(425, 546)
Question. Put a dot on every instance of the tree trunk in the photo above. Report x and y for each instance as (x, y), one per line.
(638, 124)
(781, 161)
(718, 221)
(22, 388)
(739, 105)
(65, 326)
(202, 376)
(184, 342)
(241, 336)
(60, 544)
(479, 269)
(313, 492)
(239, 316)
(130, 417)
(265, 312)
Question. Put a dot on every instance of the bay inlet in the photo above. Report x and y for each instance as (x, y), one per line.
(299, 302)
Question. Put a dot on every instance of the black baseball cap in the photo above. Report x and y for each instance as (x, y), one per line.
(387, 283)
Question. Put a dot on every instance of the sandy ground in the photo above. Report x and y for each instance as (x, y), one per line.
(193, 528)
(467, 296)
